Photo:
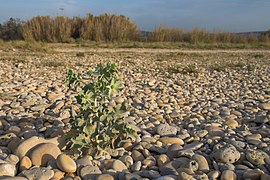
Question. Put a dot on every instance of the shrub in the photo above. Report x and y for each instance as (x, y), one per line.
(80, 54)
(99, 124)
(190, 68)
(11, 30)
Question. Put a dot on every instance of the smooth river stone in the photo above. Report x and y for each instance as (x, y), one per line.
(43, 153)
(172, 140)
(66, 164)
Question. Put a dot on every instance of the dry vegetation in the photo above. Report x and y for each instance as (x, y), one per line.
(115, 29)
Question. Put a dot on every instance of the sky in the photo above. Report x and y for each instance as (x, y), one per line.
(225, 15)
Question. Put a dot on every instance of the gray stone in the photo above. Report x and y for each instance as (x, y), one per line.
(7, 169)
(256, 157)
(166, 130)
(226, 154)
(40, 173)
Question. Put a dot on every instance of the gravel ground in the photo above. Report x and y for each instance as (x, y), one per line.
(199, 115)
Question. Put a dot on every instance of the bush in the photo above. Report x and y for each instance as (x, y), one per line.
(99, 123)
(11, 30)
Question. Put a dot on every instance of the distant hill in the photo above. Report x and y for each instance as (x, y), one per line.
(257, 33)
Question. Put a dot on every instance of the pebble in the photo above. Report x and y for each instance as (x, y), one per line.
(252, 174)
(137, 156)
(43, 153)
(265, 177)
(7, 169)
(256, 157)
(265, 106)
(38, 173)
(202, 163)
(232, 123)
(105, 177)
(115, 164)
(66, 164)
(226, 154)
(25, 163)
(228, 175)
(87, 171)
(166, 130)
(171, 140)
(162, 159)
(58, 174)
(12, 159)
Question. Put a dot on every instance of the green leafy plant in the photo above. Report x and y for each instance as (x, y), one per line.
(99, 123)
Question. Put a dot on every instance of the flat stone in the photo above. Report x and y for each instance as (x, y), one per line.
(43, 153)
(151, 174)
(14, 178)
(136, 166)
(193, 146)
(137, 156)
(202, 162)
(232, 123)
(226, 154)
(66, 164)
(228, 175)
(213, 174)
(256, 157)
(252, 174)
(40, 173)
(7, 169)
(162, 159)
(170, 168)
(87, 171)
(173, 150)
(54, 97)
(166, 130)
(265, 106)
(105, 177)
(167, 177)
(12, 159)
(115, 164)
(265, 177)
(129, 176)
(58, 174)
(168, 140)
(84, 161)
(6, 138)
(127, 160)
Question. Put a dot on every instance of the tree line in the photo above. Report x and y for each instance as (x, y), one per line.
(112, 28)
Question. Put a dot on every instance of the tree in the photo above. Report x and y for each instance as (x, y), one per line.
(11, 30)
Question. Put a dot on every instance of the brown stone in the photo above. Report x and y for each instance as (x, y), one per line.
(232, 123)
(172, 140)
(25, 163)
(228, 175)
(43, 153)
(66, 164)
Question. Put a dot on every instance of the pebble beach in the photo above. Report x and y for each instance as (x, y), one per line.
(211, 122)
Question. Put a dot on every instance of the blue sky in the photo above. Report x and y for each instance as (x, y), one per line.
(227, 15)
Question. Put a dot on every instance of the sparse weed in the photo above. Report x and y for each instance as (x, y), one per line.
(190, 68)
(217, 67)
(51, 63)
(80, 54)
(174, 69)
(258, 56)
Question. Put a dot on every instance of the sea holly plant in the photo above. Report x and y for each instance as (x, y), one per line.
(99, 123)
